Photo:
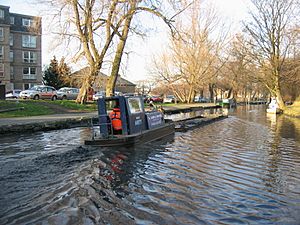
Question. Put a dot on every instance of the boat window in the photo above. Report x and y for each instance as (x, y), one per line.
(112, 104)
(135, 105)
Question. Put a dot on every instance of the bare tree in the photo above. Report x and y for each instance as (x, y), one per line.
(132, 8)
(144, 87)
(193, 59)
(241, 72)
(101, 28)
(290, 79)
(271, 21)
(94, 25)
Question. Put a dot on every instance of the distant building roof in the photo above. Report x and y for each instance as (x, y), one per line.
(102, 78)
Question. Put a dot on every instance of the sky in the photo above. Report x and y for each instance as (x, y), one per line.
(138, 61)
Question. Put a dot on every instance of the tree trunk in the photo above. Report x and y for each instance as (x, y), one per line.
(191, 94)
(82, 96)
(211, 92)
(87, 84)
(111, 83)
(279, 99)
(253, 96)
(229, 93)
(201, 93)
(234, 94)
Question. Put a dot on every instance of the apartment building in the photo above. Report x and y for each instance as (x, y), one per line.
(20, 50)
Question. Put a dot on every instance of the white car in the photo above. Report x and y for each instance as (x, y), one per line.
(201, 99)
(39, 92)
(67, 93)
(169, 99)
(13, 93)
(100, 94)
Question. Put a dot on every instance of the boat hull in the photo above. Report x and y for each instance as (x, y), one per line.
(134, 139)
(274, 111)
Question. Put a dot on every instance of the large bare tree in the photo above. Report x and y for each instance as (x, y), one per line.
(132, 8)
(101, 28)
(92, 25)
(193, 57)
(241, 73)
(269, 42)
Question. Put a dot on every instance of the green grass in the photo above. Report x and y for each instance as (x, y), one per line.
(75, 106)
(24, 108)
(293, 110)
(43, 107)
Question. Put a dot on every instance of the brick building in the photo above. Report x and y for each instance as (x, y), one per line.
(20, 50)
(122, 85)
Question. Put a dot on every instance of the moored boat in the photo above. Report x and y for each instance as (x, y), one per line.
(227, 103)
(273, 107)
(273, 110)
(127, 122)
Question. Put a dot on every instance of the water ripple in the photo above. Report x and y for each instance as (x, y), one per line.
(242, 170)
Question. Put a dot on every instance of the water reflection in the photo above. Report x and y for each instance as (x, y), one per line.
(272, 118)
(289, 127)
(242, 170)
(284, 154)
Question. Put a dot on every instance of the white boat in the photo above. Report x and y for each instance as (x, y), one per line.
(273, 110)
(273, 107)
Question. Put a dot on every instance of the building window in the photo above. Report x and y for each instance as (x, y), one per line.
(29, 73)
(11, 72)
(11, 39)
(1, 34)
(29, 57)
(28, 41)
(27, 86)
(11, 56)
(27, 22)
(1, 52)
(1, 70)
(12, 20)
(1, 14)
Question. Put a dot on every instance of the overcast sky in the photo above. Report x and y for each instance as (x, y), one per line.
(141, 52)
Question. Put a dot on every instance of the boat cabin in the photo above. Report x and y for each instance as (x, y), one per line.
(120, 115)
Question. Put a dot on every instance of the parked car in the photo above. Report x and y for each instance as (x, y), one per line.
(13, 93)
(201, 99)
(99, 94)
(39, 92)
(146, 98)
(156, 99)
(128, 94)
(67, 93)
(118, 93)
(169, 99)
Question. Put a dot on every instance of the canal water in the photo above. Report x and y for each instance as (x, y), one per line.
(241, 170)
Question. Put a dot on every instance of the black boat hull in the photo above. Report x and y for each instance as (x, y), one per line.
(134, 139)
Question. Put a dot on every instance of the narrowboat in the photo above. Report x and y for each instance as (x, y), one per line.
(227, 103)
(124, 121)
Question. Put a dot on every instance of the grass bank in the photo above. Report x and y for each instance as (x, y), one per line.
(25, 108)
(72, 105)
(22, 109)
(293, 110)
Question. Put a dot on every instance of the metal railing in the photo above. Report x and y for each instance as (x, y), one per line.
(108, 123)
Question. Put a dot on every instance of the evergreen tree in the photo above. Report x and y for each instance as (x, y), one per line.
(57, 74)
(51, 74)
(65, 73)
